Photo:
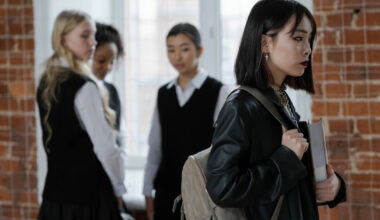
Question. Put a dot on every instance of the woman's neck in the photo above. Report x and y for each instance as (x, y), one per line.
(185, 78)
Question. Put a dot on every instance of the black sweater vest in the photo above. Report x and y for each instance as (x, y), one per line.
(184, 130)
(114, 102)
(75, 174)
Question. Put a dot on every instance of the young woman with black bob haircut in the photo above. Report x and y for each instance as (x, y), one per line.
(255, 159)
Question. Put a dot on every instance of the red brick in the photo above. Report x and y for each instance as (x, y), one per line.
(363, 126)
(332, 77)
(318, 90)
(364, 90)
(4, 89)
(26, 44)
(4, 152)
(352, 2)
(325, 108)
(333, 38)
(374, 72)
(15, 2)
(29, 29)
(317, 58)
(373, 19)
(343, 212)
(359, 211)
(3, 44)
(324, 5)
(373, 36)
(28, 13)
(373, 55)
(341, 126)
(370, 126)
(2, 14)
(337, 90)
(354, 37)
(5, 196)
(21, 89)
(339, 55)
(9, 165)
(337, 148)
(12, 15)
(15, 28)
(2, 28)
(4, 120)
(355, 109)
(375, 108)
(359, 56)
(336, 20)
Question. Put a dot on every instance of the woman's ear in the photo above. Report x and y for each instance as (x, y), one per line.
(265, 43)
(199, 51)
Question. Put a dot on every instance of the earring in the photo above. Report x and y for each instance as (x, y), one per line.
(266, 56)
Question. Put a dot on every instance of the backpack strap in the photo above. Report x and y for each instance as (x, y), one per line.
(265, 102)
(272, 109)
(276, 212)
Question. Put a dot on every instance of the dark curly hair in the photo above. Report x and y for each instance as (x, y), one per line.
(108, 34)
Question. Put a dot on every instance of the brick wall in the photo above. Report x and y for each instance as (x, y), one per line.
(347, 73)
(18, 163)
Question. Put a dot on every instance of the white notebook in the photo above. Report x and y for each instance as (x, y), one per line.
(318, 150)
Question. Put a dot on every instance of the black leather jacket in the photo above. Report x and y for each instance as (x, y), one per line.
(249, 168)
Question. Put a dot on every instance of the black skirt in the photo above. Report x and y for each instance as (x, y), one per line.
(104, 208)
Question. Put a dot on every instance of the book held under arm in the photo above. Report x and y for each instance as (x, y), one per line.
(318, 150)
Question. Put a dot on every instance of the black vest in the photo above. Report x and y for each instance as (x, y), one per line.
(75, 174)
(184, 130)
(114, 102)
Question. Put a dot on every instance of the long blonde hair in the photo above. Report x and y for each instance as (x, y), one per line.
(55, 72)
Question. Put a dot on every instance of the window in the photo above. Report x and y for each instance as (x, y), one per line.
(147, 66)
(234, 15)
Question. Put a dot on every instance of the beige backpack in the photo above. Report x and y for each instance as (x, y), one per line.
(196, 202)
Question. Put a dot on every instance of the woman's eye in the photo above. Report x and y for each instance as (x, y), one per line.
(85, 36)
(298, 38)
(185, 49)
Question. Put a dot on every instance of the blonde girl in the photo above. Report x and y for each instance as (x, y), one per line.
(85, 168)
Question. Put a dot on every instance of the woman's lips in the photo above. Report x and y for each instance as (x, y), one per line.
(179, 66)
(305, 63)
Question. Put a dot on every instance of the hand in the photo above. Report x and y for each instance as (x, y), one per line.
(295, 141)
(149, 207)
(119, 202)
(328, 189)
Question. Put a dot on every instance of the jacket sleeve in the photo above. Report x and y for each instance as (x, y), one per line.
(230, 181)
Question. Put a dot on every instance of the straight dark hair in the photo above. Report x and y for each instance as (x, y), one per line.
(267, 15)
(187, 29)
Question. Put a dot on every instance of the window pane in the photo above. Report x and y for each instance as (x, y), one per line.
(234, 15)
(148, 22)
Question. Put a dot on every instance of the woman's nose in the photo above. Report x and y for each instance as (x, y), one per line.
(307, 50)
(177, 56)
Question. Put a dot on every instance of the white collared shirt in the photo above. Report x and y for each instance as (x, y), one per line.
(154, 139)
(89, 110)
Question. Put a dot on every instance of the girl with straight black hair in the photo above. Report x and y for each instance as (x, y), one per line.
(255, 159)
